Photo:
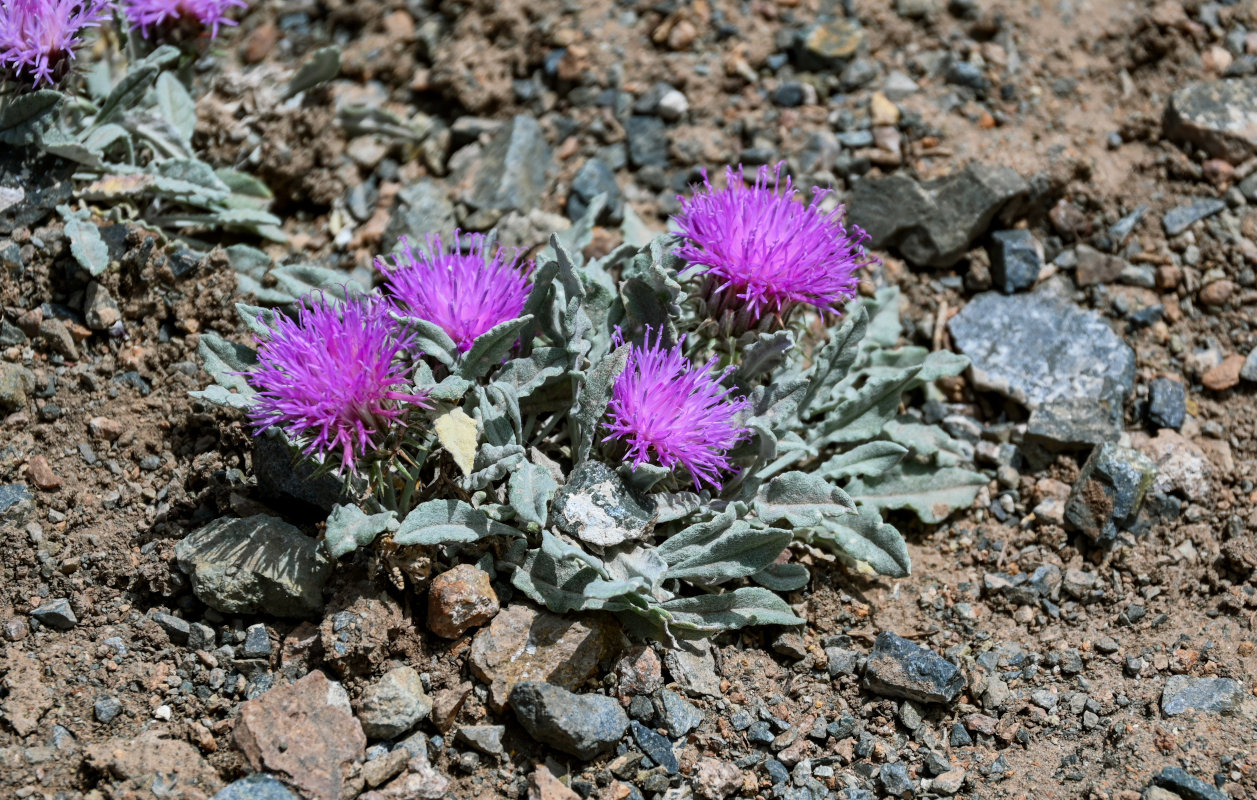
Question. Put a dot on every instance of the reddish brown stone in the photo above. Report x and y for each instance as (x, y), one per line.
(1217, 293)
(1225, 375)
(307, 733)
(542, 785)
(460, 599)
(639, 671)
(261, 42)
(137, 763)
(43, 476)
(447, 703)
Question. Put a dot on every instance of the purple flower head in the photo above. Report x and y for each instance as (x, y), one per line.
(148, 16)
(38, 37)
(465, 293)
(763, 252)
(669, 413)
(334, 378)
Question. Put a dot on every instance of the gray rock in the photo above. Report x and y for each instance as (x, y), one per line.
(16, 382)
(1184, 693)
(858, 73)
(256, 564)
(512, 171)
(258, 786)
(485, 738)
(394, 704)
(677, 714)
(842, 661)
(1109, 491)
(1039, 349)
(828, 44)
(898, 85)
(933, 223)
(284, 478)
(693, 666)
(1249, 371)
(99, 309)
(11, 495)
(673, 104)
(1218, 116)
(1167, 402)
(1188, 787)
(1016, 259)
(900, 668)
(1123, 228)
(895, 780)
(31, 188)
(56, 614)
(106, 709)
(1180, 218)
(175, 627)
(597, 507)
(593, 179)
(582, 725)
(420, 209)
(647, 141)
(257, 642)
(201, 637)
(965, 73)
(656, 746)
(1076, 422)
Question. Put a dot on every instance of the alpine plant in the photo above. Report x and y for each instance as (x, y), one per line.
(151, 17)
(656, 433)
(38, 38)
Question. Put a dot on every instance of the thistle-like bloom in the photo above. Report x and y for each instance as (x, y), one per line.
(335, 378)
(38, 37)
(465, 293)
(671, 414)
(764, 252)
(149, 16)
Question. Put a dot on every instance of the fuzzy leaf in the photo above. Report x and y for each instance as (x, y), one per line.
(531, 489)
(242, 183)
(643, 477)
(349, 528)
(741, 608)
(490, 348)
(763, 354)
(883, 310)
(740, 552)
(439, 522)
(21, 110)
(927, 442)
(431, 338)
(787, 577)
(544, 366)
(834, 359)
(300, 280)
(322, 65)
(866, 543)
(85, 243)
(803, 499)
(595, 395)
(127, 94)
(862, 413)
(176, 105)
(494, 462)
(223, 359)
(872, 458)
(220, 396)
(931, 493)
(693, 540)
(670, 506)
(260, 321)
(458, 434)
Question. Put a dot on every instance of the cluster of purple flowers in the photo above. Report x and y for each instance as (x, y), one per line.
(38, 38)
(338, 379)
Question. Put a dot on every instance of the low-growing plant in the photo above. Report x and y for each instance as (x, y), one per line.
(657, 433)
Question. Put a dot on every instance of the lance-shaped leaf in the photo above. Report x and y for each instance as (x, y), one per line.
(787, 577)
(530, 490)
(883, 310)
(224, 359)
(927, 442)
(865, 542)
(127, 94)
(438, 522)
(490, 348)
(763, 354)
(322, 65)
(862, 413)
(834, 360)
(176, 105)
(85, 243)
(693, 540)
(545, 365)
(741, 608)
(349, 527)
(593, 398)
(493, 463)
(929, 492)
(802, 499)
(740, 552)
(260, 321)
(670, 506)
(872, 458)
(643, 477)
(23, 109)
(431, 339)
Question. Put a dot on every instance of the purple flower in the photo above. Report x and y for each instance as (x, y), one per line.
(465, 293)
(38, 37)
(149, 15)
(671, 414)
(763, 252)
(335, 378)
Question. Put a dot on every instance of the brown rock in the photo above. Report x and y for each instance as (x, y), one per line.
(639, 671)
(883, 111)
(357, 638)
(28, 696)
(261, 42)
(1217, 293)
(386, 767)
(56, 337)
(307, 733)
(137, 764)
(542, 785)
(400, 26)
(714, 779)
(1181, 464)
(981, 723)
(1218, 172)
(1095, 267)
(1225, 375)
(43, 476)
(682, 36)
(1168, 276)
(460, 599)
(523, 644)
(447, 703)
(105, 428)
(422, 782)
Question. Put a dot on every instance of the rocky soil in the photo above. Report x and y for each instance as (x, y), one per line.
(1066, 193)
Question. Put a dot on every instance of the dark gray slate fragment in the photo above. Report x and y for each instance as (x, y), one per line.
(657, 747)
(512, 171)
(1179, 219)
(933, 223)
(895, 780)
(30, 187)
(582, 725)
(1218, 116)
(256, 564)
(1109, 490)
(900, 668)
(177, 629)
(11, 494)
(1039, 349)
(258, 786)
(1248, 372)
(1187, 786)
(257, 642)
(1184, 693)
(421, 208)
(1076, 422)
(677, 714)
(1167, 403)
(597, 507)
(1016, 258)
(647, 141)
(593, 179)
(56, 614)
(106, 709)
(283, 478)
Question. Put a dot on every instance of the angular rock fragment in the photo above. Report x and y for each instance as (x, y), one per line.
(582, 725)
(900, 668)
(1109, 491)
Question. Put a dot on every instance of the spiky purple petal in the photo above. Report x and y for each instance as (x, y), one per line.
(763, 251)
(335, 378)
(148, 16)
(38, 37)
(669, 413)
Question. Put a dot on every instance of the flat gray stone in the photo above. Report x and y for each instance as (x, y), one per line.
(598, 508)
(511, 172)
(582, 725)
(258, 786)
(1183, 693)
(1218, 116)
(1248, 372)
(284, 478)
(56, 614)
(485, 738)
(677, 714)
(1016, 259)
(1187, 787)
(900, 668)
(256, 564)
(1180, 218)
(394, 704)
(421, 208)
(693, 666)
(1039, 349)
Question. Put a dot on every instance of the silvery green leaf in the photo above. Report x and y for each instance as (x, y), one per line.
(643, 477)
(803, 499)
(787, 577)
(776, 403)
(592, 400)
(300, 280)
(349, 528)
(528, 374)
(531, 489)
(864, 542)
(860, 414)
(693, 540)
(55, 142)
(176, 105)
(941, 364)
(884, 328)
(497, 408)
(439, 522)
(670, 506)
(791, 449)
(222, 397)
(431, 339)
(259, 321)
(129, 91)
(493, 463)
(451, 389)
(255, 220)
(99, 140)
(741, 608)
(242, 183)
(85, 243)
(926, 442)
(763, 354)
(322, 65)
(223, 359)
(364, 120)
(639, 562)
(195, 172)
(19, 111)
(738, 553)
(490, 348)
(872, 458)
(249, 285)
(834, 360)
(560, 582)
(930, 492)
(248, 260)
